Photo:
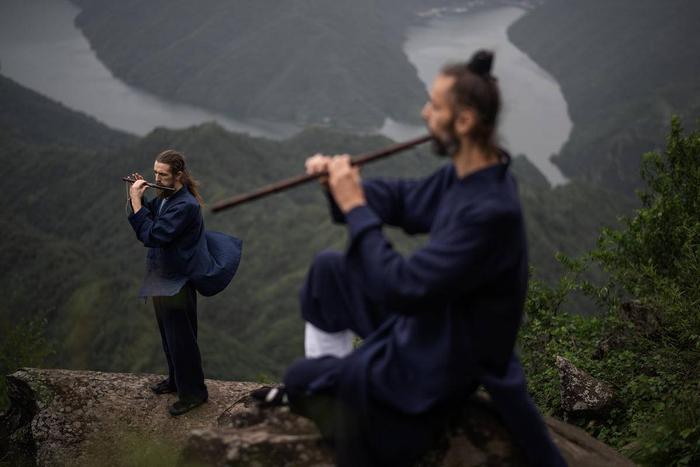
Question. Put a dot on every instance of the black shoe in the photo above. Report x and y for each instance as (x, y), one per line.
(267, 396)
(164, 387)
(185, 404)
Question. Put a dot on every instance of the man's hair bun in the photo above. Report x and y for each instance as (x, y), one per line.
(481, 62)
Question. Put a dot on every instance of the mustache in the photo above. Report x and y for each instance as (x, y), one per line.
(166, 193)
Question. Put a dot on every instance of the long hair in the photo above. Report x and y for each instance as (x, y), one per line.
(477, 88)
(176, 161)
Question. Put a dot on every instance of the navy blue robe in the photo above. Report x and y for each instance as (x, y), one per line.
(180, 250)
(457, 302)
(433, 323)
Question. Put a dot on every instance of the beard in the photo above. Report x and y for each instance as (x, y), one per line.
(166, 193)
(445, 146)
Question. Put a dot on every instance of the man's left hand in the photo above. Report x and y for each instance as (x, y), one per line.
(345, 183)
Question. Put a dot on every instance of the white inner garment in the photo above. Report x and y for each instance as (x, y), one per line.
(318, 343)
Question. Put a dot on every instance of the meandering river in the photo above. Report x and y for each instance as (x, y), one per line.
(41, 48)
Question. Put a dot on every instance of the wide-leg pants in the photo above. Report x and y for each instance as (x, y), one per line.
(177, 321)
(331, 303)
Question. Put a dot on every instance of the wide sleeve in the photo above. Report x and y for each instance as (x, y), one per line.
(145, 202)
(458, 258)
(161, 231)
(408, 204)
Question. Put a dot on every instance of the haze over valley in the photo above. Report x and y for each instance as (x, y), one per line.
(92, 90)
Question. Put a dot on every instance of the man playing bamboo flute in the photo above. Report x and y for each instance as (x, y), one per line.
(434, 325)
(182, 260)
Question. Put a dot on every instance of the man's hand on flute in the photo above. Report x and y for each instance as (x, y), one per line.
(136, 191)
(345, 183)
(318, 163)
(343, 180)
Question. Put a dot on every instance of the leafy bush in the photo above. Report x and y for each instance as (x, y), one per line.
(646, 344)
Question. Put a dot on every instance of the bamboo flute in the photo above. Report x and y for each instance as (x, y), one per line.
(301, 179)
(152, 185)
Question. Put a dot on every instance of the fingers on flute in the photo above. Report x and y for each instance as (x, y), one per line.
(339, 162)
(316, 164)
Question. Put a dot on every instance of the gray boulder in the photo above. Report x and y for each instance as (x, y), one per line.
(581, 392)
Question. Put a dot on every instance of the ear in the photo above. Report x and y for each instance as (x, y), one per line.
(178, 176)
(465, 121)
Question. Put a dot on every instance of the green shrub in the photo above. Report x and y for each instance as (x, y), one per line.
(648, 350)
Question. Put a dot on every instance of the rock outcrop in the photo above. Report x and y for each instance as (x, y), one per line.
(581, 392)
(61, 417)
(81, 417)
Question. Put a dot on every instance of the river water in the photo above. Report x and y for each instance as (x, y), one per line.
(535, 119)
(41, 48)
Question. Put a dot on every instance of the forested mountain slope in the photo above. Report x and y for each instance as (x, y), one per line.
(34, 119)
(308, 62)
(624, 67)
(74, 258)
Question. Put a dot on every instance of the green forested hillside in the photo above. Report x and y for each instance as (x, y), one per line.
(646, 343)
(32, 118)
(624, 67)
(76, 262)
(308, 62)
(70, 258)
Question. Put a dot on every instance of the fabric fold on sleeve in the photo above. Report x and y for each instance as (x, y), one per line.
(360, 219)
(456, 261)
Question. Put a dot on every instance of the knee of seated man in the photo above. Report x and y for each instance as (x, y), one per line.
(328, 258)
(326, 262)
(305, 372)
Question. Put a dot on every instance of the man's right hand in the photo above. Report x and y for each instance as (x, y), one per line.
(318, 163)
(137, 189)
(136, 192)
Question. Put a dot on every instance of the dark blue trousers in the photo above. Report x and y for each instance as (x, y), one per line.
(520, 415)
(381, 438)
(329, 302)
(177, 321)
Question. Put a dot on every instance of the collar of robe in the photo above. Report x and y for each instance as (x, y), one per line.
(176, 194)
(496, 170)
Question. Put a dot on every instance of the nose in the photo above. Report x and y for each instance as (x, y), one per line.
(425, 111)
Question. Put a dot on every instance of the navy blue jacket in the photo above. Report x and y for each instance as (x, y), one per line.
(456, 303)
(179, 249)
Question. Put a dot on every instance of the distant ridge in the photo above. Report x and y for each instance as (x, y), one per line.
(306, 61)
(34, 118)
(624, 67)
